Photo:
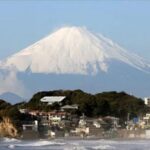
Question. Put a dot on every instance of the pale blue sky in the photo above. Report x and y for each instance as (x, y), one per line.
(24, 22)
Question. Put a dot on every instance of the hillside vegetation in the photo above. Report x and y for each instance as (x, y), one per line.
(101, 104)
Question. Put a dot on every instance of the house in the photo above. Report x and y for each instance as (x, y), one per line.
(30, 130)
(30, 125)
(145, 124)
(57, 117)
(147, 101)
(53, 117)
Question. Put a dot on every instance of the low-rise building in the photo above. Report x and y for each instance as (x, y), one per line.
(147, 101)
(30, 125)
(52, 99)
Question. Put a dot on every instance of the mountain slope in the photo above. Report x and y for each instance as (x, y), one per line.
(72, 50)
(67, 59)
(11, 97)
(120, 77)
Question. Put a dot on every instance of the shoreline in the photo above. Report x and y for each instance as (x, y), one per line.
(74, 139)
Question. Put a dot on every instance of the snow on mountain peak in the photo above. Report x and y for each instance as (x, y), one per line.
(72, 50)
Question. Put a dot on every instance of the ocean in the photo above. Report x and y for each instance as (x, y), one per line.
(62, 144)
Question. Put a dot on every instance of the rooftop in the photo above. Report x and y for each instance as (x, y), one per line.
(52, 99)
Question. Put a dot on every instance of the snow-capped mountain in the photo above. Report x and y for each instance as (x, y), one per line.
(74, 58)
(72, 50)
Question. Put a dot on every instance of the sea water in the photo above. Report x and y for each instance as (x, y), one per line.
(62, 144)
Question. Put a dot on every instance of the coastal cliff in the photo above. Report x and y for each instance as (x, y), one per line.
(9, 120)
(7, 128)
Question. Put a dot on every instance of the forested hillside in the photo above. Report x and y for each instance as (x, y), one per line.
(101, 104)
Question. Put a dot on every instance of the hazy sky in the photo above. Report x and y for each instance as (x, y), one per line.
(25, 22)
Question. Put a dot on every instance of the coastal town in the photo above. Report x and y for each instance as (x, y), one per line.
(64, 123)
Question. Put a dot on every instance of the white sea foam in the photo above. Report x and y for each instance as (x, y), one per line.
(75, 145)
(11, 146)
(103, 147)
(90, 145)
(39, 144)
(75, 148)
(107, 141)
(8, 140)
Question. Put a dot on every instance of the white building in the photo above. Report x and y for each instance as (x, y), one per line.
(31, 126)
(147, 101)
(52, 99)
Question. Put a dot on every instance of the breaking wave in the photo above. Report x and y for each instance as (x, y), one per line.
(39, 144)
(63, 144)
(8, 140)
(103, 147)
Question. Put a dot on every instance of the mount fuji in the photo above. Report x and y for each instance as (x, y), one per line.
(73, 57)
